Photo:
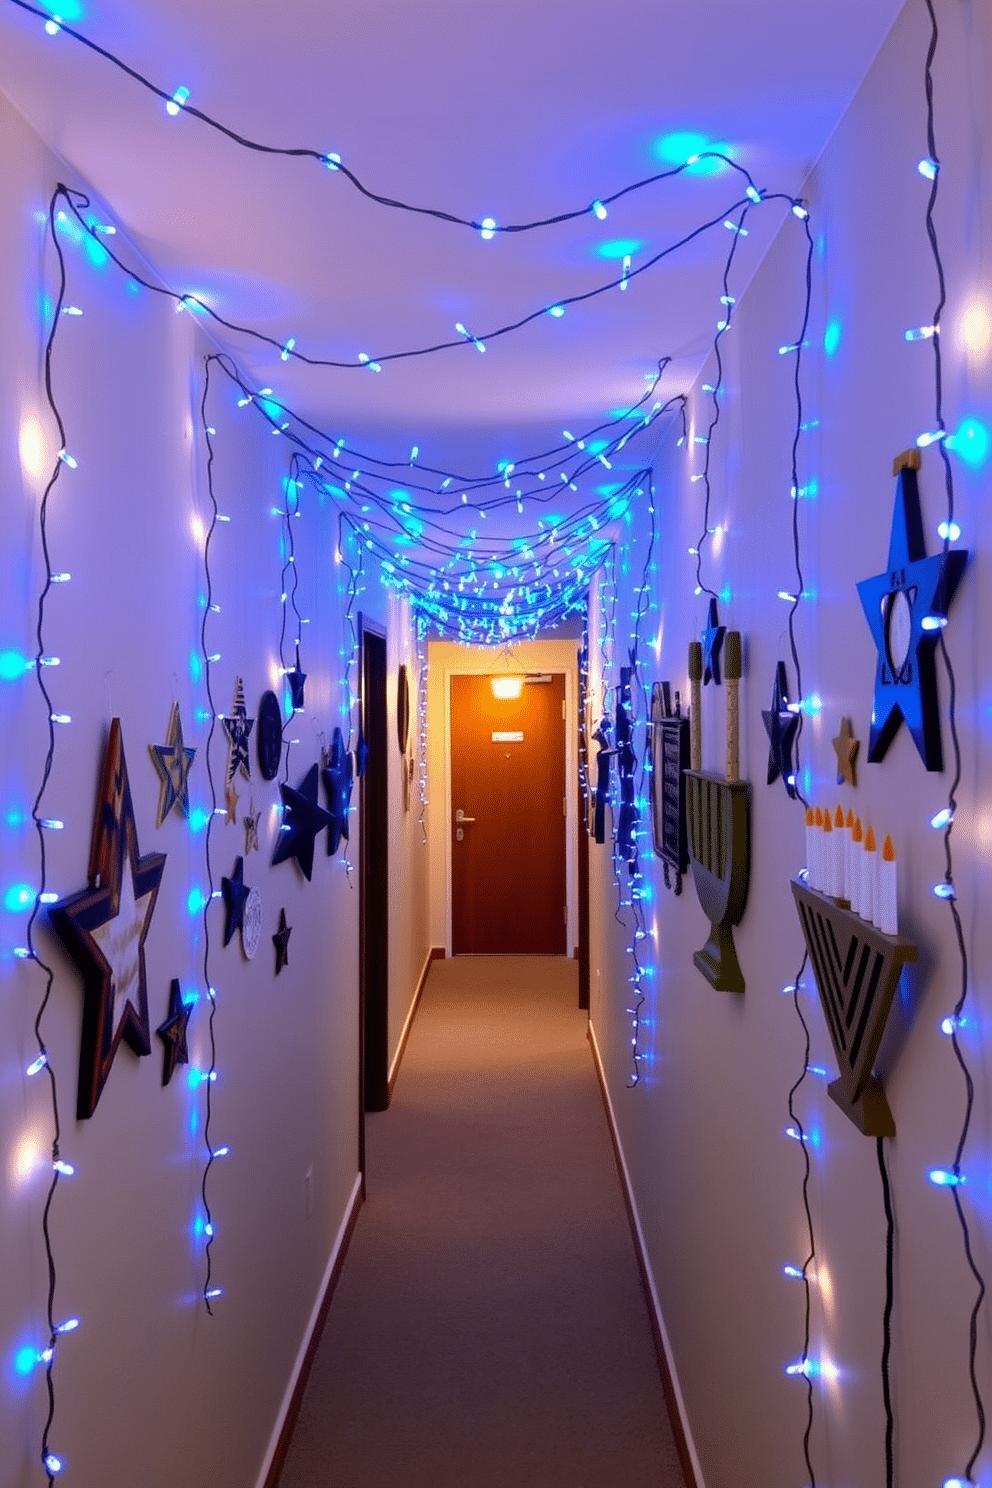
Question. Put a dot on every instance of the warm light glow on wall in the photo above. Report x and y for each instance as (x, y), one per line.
(198, 530)
(506, 688)
(975, 330)
(25, 1157)
(31, 446)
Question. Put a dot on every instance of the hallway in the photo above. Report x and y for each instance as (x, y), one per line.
(489, 1326)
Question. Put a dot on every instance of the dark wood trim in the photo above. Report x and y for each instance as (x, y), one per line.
(668, 1385)
(436, 953)
(582, 815)
(289, 1423)
(373, 876)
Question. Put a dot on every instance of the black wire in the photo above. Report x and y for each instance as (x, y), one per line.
(956, 751)
(323, 159)
(890, 1240)
(811, 1256)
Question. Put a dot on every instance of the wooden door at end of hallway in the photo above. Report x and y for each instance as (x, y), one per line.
(508, 894)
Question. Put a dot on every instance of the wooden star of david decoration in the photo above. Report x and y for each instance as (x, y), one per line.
(104, 929)
(780, 726)
(906, 609)
(303, 818)
(846, 748)
(238, 727)
(173, 1032)
(281, 942)
(173, 760)
(712, 638)
(338, 778)
(235, 892)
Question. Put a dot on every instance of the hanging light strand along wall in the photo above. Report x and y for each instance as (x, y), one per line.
(944, 820)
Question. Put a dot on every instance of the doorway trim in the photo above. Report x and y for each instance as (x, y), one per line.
(373, 912)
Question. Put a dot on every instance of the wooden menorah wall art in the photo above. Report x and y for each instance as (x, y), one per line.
(718, 818)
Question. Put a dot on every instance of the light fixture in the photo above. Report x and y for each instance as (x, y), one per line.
(507, 688)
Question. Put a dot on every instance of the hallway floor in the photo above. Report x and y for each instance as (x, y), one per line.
(489, 1327)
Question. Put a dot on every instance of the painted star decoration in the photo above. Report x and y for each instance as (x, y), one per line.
(173, 1032)
(173, 760)
(231, 799)
(250, 823)
(238, 727)
(281, 942)
(104, 929)
(235, 892)
(712, 638)
(338, 777)
(296, 678)
(781, 725)
(846, 748)
(303, 817)
(906, 609)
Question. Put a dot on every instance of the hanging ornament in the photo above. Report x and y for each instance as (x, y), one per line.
(281, 942)
(235, 892)
(846, 748)
(104, 929)
(173, 1032)
(338, 775)
(269, 736)
(238, 727)
(906, 609)
(250, 823)
(780, 726)
(296, 678)
(173, 760)
(712, 638)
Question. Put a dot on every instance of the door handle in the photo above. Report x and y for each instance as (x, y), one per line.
(461, 817)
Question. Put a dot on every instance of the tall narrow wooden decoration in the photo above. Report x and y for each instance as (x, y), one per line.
(670, 758)
(857, 971)
(718, 814)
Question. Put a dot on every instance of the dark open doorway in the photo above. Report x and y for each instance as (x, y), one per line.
(373, 877)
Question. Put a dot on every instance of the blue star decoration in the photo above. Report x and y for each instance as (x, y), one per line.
(338, 777)
(235, 892)
(173, 760)
(173, 1032)
(303, 817)
(281, 942)
(906, 609)
(712, 639)
(104, 929)
(296, 679)
(238, 727)
(781, 725)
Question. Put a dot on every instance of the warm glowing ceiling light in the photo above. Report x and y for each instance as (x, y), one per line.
(507, 688)
(976, 329)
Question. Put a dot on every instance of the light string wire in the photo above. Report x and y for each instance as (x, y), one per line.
(78, 201)
(949, 892)
(50, 1462)
(289, 583)
(333, 162)
(890, 1240)
(210, 1292)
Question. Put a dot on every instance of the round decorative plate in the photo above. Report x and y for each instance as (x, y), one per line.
(251, 925)
(269, 726)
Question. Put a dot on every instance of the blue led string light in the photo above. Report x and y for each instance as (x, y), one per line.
(954, 1178)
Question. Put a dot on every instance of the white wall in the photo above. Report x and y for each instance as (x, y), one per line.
(151, 1389)
(718, 1183)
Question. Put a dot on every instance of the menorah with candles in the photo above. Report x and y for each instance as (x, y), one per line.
(847, 908)
(718, 816)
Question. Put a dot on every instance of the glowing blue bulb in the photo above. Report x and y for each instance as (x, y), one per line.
(18, 896)
(61, 717)
(800, 210)
(944, 891)
(61, 578)
(804, 1367)
(933, 622)
(176, 101)
(753, 193)
(735, 228)
(487, 227)
(784, 594)
(557, 311)
(69, 1326)
(286, 352)
(599, 210)
(68, 460)
(921, 333)
(53, 1464)
(367, 361)
(64, 1169)
(942, 818)
(38, 1065)
(625, 271)
(222, 1152)
(928, 170)
(25, 1360)
(54, 26)
(71, 310)
(950, 1026)
(795, 1134)
(792, 1271)
(931, 436)
(944, 1179)
(51, 824)
(214, 1292)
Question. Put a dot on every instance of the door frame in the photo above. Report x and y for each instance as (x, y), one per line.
(373, 920)
(566, 669)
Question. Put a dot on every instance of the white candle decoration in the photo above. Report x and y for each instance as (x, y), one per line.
(827, 848)
(858, 868)
(871, 875)
(841, 837)
(887, 917)
(811, 848)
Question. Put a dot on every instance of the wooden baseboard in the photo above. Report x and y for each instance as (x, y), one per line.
(436, 953)
(293, 1398)
(666, 1364)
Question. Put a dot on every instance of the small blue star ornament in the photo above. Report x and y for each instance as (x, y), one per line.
(238, 727)
(781, 724)
(303, 817)
(712, 638)
(338, 774)
(173, 1032)
(173, 760)
(906, 609)
(296, 679)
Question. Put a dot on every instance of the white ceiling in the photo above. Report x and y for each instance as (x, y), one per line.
(517, 109)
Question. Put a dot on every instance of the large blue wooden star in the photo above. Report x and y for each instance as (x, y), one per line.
(303, 817)
(906, 609)
(712, 638)
(104, 929)
(235, 892)
(781, 725)
(338, 779)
